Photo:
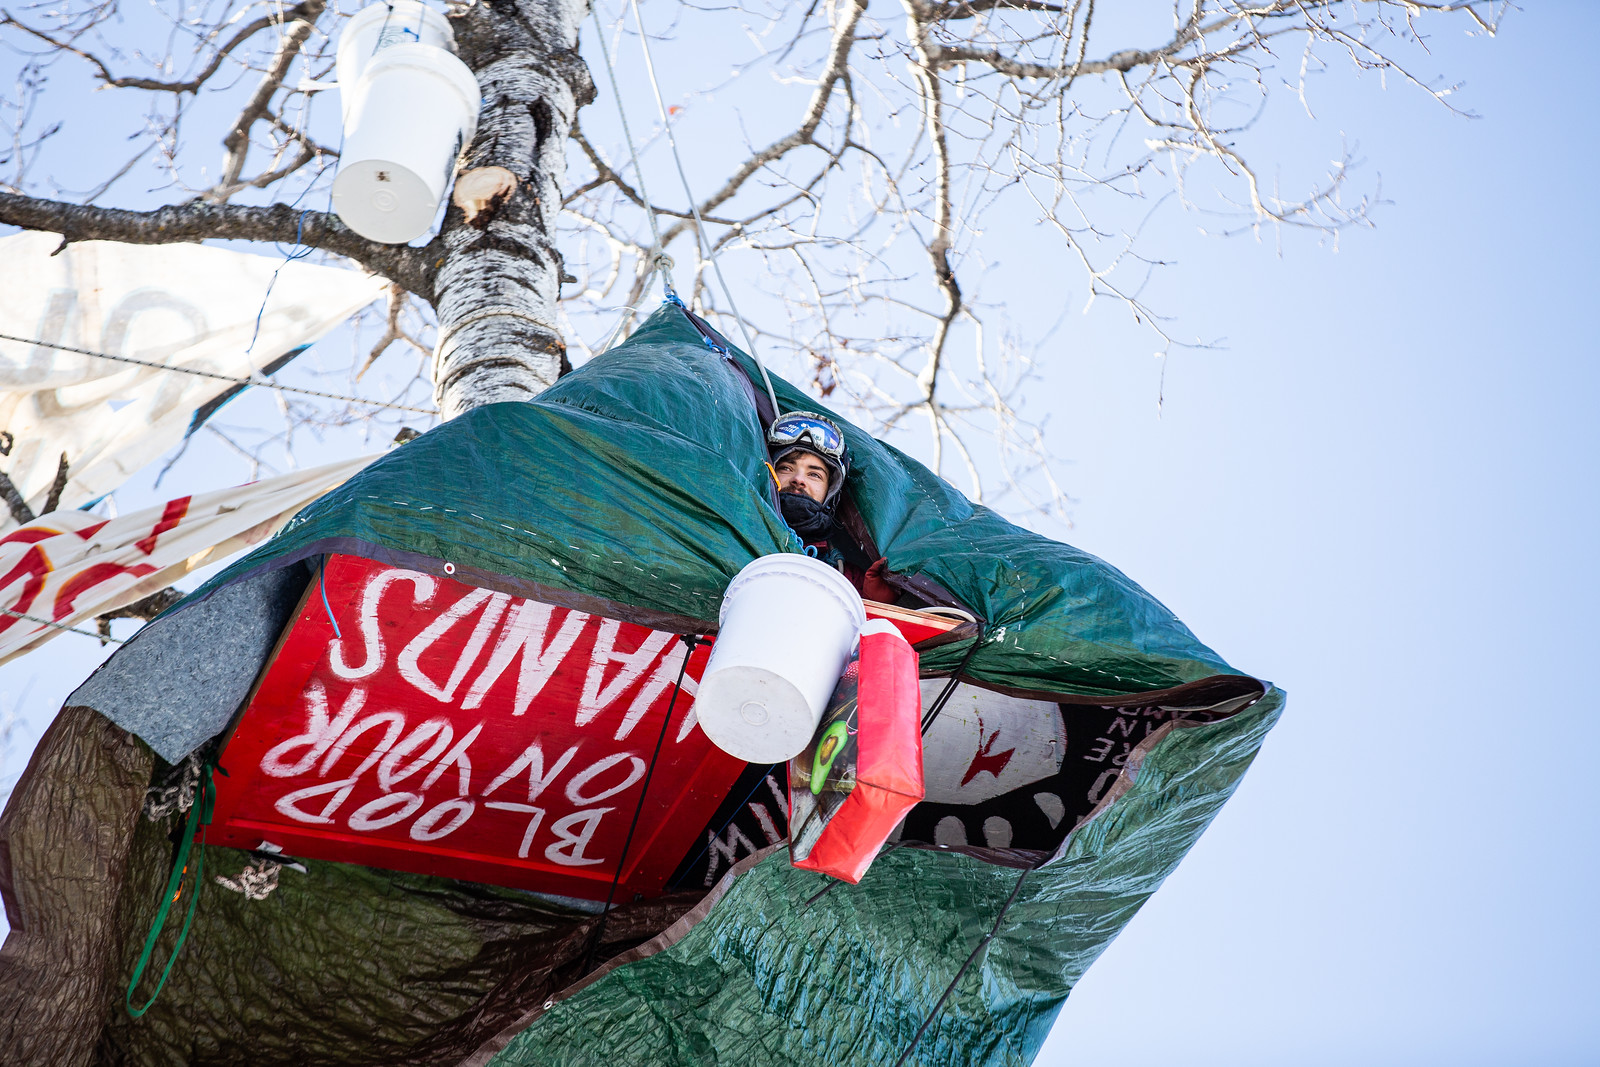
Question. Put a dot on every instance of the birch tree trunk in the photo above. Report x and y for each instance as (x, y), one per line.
(499, 278)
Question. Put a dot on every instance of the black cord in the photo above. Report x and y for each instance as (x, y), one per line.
(616, 876)
(834, 883)
(950, 687)
(951, 988)
(686, 867)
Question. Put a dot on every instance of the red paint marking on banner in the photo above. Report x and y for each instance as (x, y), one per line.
(32, 567)
(171, 515)
(90, 577)
(986, 760)
(28, 535)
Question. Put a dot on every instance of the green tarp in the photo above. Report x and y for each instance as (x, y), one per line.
(640, 481)
(636, 487)
(778, 975)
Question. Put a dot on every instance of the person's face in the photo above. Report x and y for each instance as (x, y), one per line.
(801, 472)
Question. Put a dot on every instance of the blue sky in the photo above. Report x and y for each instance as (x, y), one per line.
(1378, 492)
(1381, 495)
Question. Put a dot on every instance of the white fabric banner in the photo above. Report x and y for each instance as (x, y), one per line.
(184, 305)
(70, 566)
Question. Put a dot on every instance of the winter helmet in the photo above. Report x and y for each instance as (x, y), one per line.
(806, 431)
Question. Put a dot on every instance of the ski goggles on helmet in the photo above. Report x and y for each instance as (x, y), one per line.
(808, 429)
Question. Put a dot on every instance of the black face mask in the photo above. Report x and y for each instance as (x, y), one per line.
(808, 518)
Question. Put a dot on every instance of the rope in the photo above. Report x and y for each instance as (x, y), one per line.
(297, 252)
(834, 883)
(60, 626)
(950, 687)
(322, 583)
(951, 988)
(627, 313)
(232, 380)
(616, 876)
(927, 724)
(660, 260)
(694, 208)
(199, 814)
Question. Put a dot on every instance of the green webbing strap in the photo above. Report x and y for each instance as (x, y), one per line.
(199, 818)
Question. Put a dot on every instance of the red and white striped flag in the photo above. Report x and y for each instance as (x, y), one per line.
(67, 567)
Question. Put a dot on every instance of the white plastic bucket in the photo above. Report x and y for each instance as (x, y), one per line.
(788, 627)
(379, 26)
(408, 116)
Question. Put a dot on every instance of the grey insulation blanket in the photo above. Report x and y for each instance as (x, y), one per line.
(178, 682)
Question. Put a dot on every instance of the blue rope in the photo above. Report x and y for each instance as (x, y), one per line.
(298, 251)
(323, 583)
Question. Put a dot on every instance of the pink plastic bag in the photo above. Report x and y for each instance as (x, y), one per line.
(862, 772)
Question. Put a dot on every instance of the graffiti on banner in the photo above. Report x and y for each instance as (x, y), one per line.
(457, 730)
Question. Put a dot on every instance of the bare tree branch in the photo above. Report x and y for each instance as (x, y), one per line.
(939, 247)
(237, 143)
(57, 486)
(188, 85)
(857, 205)
(146, 608)
(392, 331)
(832, 74)
(406, 266)
(14, 501)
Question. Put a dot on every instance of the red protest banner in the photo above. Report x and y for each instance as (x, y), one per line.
(456, 731)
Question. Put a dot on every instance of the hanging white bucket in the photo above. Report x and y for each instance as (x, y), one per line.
(787, 629)
(406, 120)
(379, 26)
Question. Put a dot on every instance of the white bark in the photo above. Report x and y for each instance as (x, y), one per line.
(496, 288)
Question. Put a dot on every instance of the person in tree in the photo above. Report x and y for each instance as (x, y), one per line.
(810, 464)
